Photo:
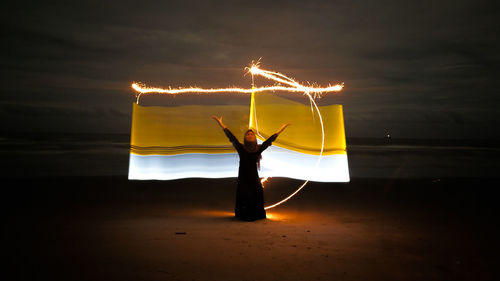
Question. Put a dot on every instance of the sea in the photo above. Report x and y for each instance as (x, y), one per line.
(33, 155)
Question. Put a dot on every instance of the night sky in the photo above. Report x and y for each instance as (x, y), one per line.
(420, 69)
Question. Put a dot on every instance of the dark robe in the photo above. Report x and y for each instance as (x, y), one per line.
(249, 193)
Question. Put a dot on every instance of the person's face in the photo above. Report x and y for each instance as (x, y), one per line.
(250, 136)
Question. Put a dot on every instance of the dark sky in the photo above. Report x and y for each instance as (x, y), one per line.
(419, 69)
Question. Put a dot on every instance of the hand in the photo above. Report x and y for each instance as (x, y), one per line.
(283, 127)
(219, 120)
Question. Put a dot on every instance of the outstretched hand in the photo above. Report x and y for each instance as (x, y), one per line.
(219, 120)
(282, 128)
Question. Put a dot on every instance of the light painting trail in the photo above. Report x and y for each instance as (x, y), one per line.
(293, 86)
(319, 157)
(314, 90)
(290, 86)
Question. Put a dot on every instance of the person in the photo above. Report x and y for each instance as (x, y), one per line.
(249, 192)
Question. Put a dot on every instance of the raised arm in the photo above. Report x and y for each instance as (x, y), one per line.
(272, 138)
(228, 133)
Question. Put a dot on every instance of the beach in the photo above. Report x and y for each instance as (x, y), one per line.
(112, 167)
(110, 228)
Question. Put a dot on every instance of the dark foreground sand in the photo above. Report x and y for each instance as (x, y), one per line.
(114, 229)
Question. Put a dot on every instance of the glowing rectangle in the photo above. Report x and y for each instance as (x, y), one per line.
(173, 142)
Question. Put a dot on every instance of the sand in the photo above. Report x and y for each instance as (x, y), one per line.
(108, 228)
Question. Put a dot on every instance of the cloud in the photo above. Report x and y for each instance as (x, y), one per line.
(399, 57)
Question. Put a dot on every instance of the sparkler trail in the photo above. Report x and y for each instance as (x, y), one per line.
(315, 90)
(293, 86)
(254, 69)
(313, 103)
(278, 77)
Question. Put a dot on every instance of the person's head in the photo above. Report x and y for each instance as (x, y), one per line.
(250, 136)
(249, 140)
(250, 143)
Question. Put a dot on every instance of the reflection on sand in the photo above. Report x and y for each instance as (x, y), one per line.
(273, 216)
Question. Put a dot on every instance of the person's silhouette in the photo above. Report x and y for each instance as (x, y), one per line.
(249, 193)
